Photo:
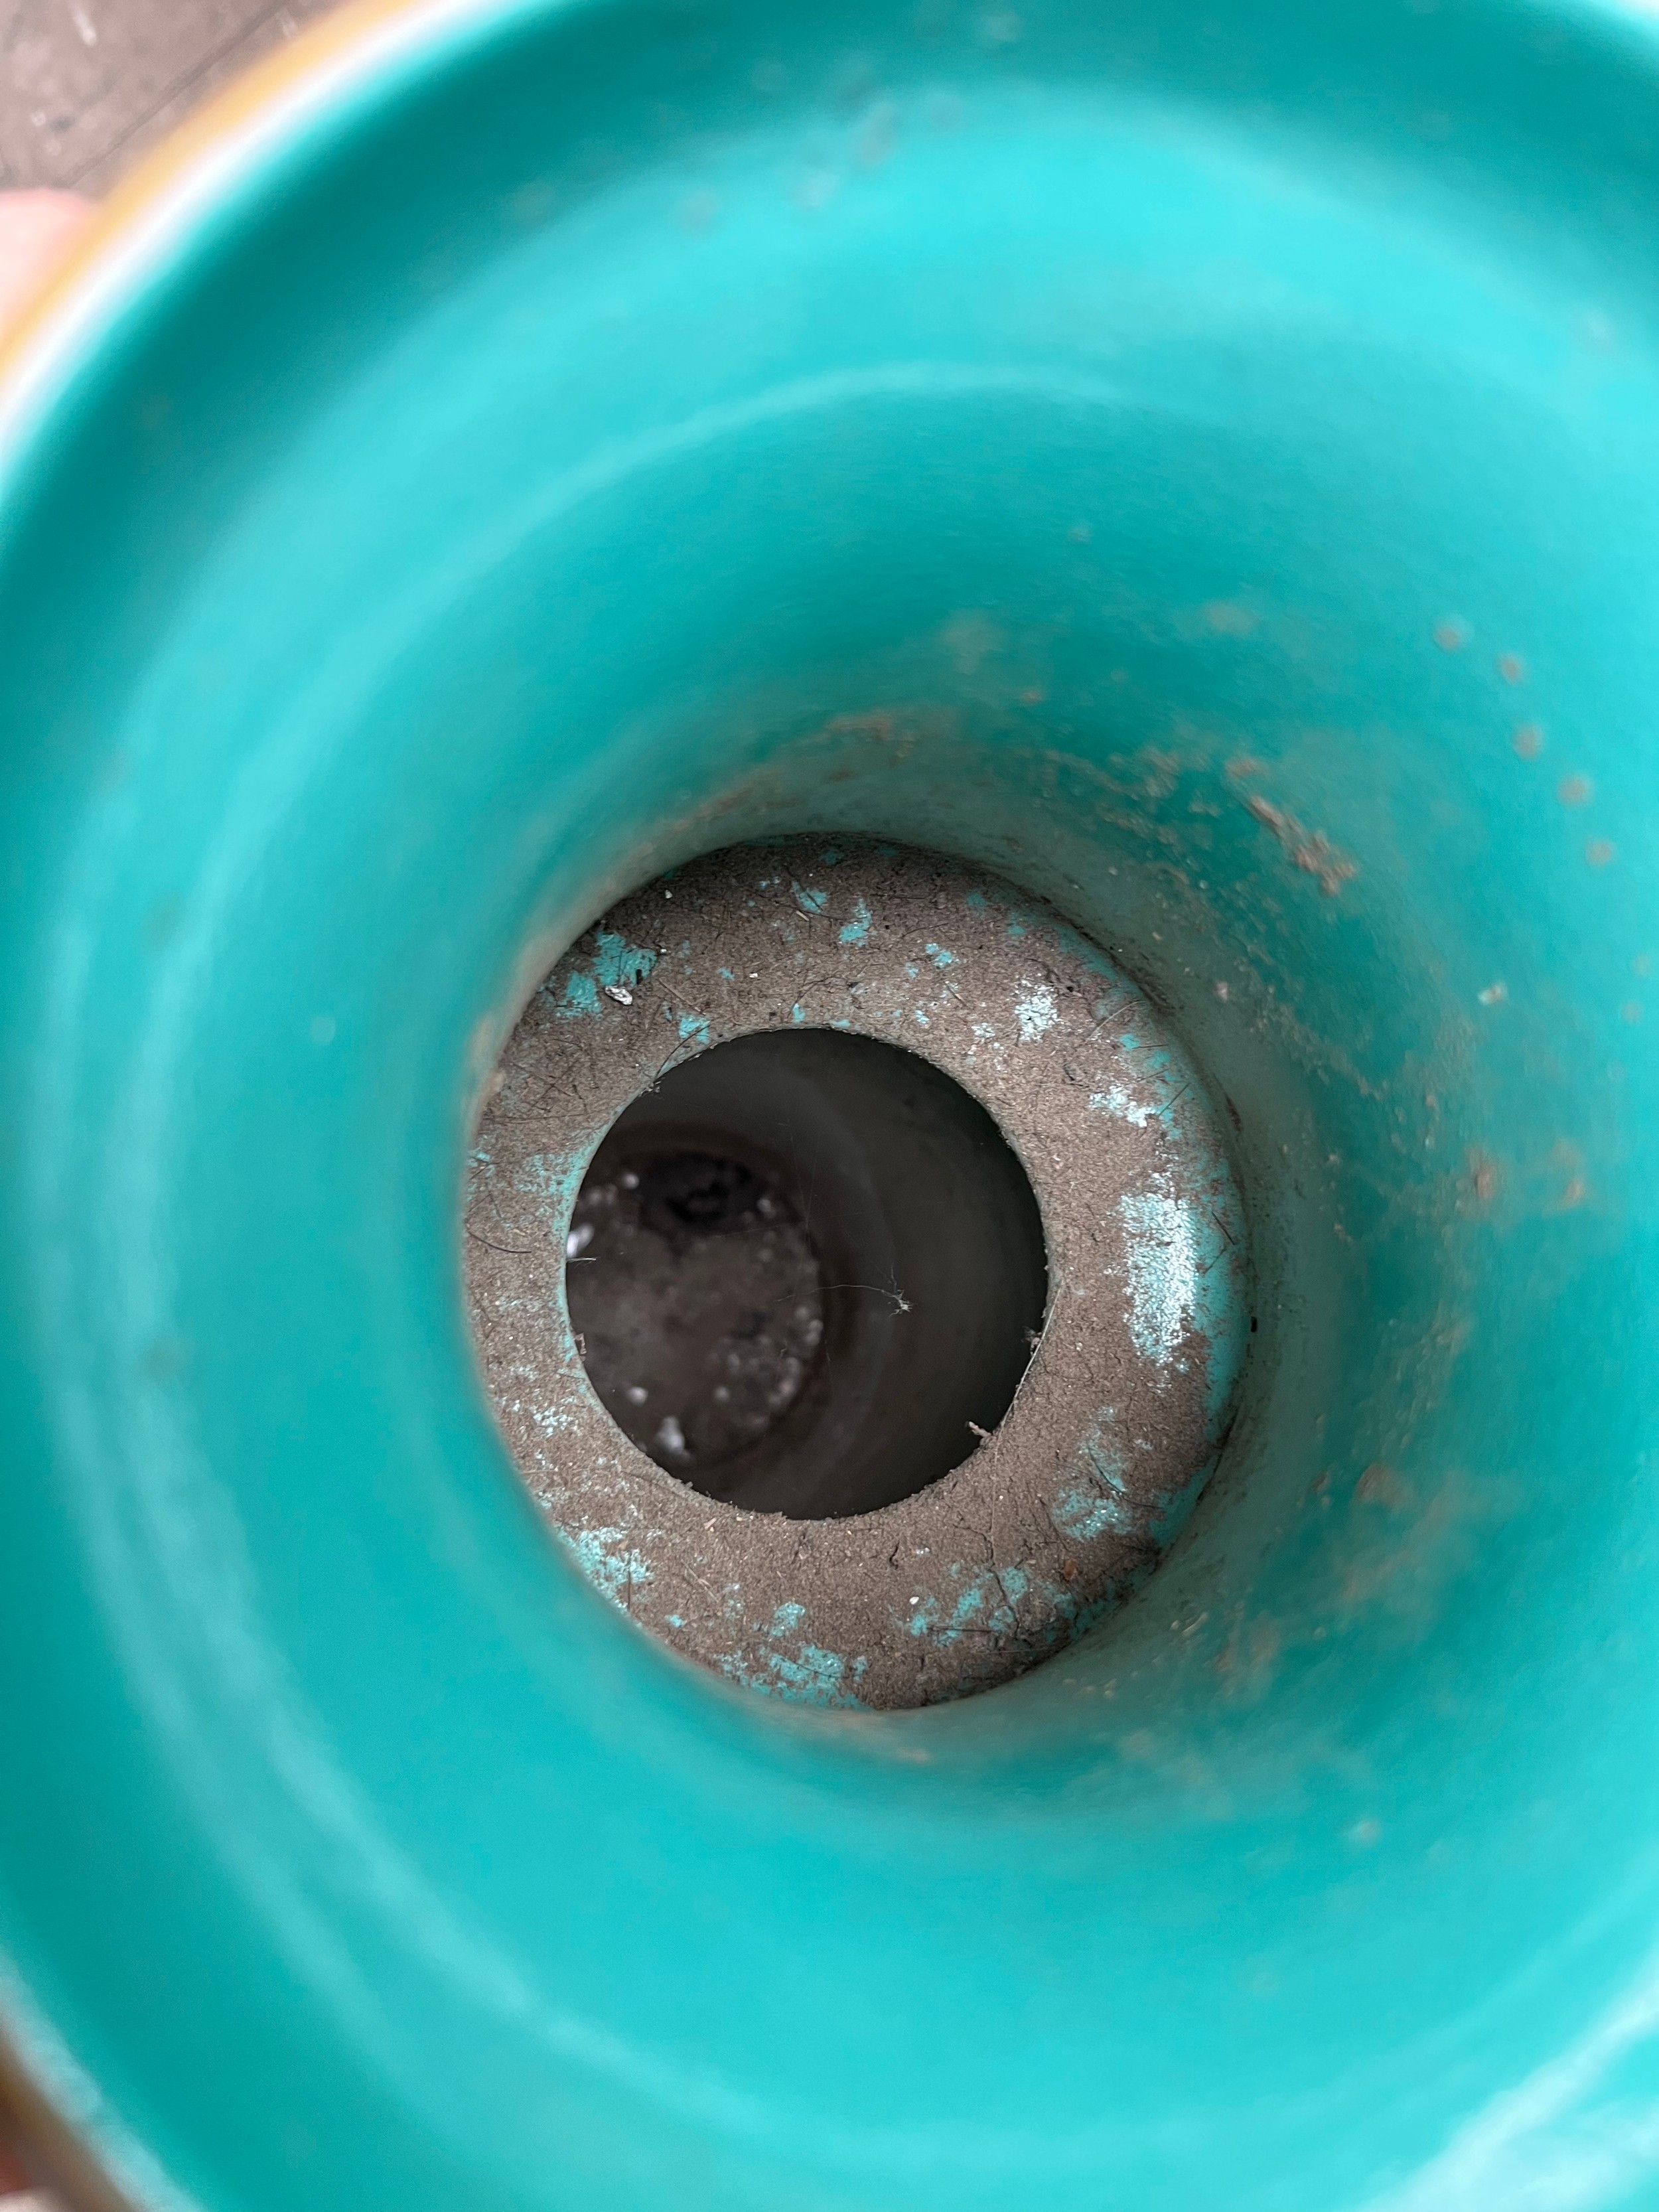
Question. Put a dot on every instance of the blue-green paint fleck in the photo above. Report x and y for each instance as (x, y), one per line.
(609, 1563)
(555, 1178)
(857, 931)
(614, 965)
(813, 1677)
(940, 958)
(987, 1601)
(1116, 1101)
(581, 994)
(808, 901)
(693, 1030)
(1167, 1291)
(1095, 1502)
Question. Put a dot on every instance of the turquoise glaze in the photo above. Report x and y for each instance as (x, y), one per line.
(1201, 463)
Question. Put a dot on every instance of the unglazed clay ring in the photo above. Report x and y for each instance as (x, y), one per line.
(1117, 1420)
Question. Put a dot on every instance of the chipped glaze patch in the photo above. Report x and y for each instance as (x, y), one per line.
(1163, 1271)
(1035, 1014)
(1067, 1507)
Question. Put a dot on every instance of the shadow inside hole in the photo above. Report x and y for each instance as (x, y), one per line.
(804, 1270)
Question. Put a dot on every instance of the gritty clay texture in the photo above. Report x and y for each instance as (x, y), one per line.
(1117, 1423)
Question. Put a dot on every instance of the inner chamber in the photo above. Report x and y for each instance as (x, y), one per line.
(807, 1274)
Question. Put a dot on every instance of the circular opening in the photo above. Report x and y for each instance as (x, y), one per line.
(806, 1273)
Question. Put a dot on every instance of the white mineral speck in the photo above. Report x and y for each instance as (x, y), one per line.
(1036, 1012)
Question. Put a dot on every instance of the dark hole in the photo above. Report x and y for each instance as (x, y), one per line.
(805, 1271)
(690, 1193)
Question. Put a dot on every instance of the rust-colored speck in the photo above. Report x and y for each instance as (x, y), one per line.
(1574, 791)
(1310, 851)
(1512, 668)
(1381, 1486)
(1529, 741)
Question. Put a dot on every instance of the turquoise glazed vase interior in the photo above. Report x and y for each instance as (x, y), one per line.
(1198, 464)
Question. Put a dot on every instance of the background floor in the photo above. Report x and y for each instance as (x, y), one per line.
(85, 86)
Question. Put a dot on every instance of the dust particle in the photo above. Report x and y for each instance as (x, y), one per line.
(1483, 1173)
